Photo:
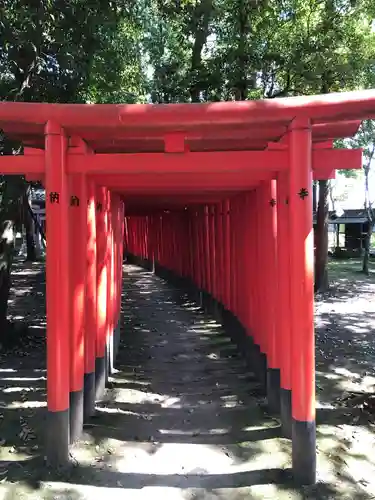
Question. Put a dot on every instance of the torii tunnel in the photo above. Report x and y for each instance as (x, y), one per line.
(218, 195)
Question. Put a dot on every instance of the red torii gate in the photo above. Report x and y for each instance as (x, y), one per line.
(189, 160)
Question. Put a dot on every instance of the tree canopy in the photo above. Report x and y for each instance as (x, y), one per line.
(178, 51)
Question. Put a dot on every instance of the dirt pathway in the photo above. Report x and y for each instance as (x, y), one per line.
(181, 419)
(345, 364)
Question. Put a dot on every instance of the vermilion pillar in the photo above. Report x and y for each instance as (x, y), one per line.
(198, 256)
(120, 256)
(201, 254)
(242, 264)
(239, 263)
(218, 254)
(227, 253)
(253, 277)
(283, 308)
(91, 306)
(161, 241)
(77, 282)
(270, 295)
(207, 249)
(109, 264)
(260, 290)
(117, 244)
(233, 255)
(302, 303)
(248, 276)
(192, 248)
(101, 293)
(58, 312)
(211, 221)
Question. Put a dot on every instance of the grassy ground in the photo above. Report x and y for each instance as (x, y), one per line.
(345, 355)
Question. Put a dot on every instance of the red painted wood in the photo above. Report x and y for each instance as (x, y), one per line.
(283, 304)
(301, 274)
(57, 269)
(198, 162)
(109, 264)
(262, 329)
(269, 240)
(33, 165)
(101, 270)
(29, 118)
(227, 252)
(91, 289)
(77, 277)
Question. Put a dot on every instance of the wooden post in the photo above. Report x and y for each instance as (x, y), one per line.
(270, 295)
(110, 276)
(302, 303)
(91, 306)
(101, 303)
(262, 312)
(227, 254)
(77, 282)
(58, 310)
(283, 310)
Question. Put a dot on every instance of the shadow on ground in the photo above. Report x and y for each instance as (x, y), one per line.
(183, 417)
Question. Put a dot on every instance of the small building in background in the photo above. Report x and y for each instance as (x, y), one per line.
(347, 232)
(38, 206)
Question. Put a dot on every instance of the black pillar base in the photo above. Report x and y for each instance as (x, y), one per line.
(88, 395)
(304, 452)
(100, 377)
(57, 438)
(107, 357)
(218, 312)
(214, 308)
(205, 301)
(262, 370)
(76, 415)
(110, 356)
(199, 299)
(248, 353)
(286, 412)
(255, 359)
(230, 324)
(239, 333)
(116, 340)
(273, 390)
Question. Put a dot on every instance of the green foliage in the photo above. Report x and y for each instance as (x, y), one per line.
(364, 139)
(59, 51)
(112, 51)
(261, 48)
(51, 48)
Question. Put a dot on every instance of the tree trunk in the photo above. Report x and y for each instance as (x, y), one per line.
(29, 227)
(366, 255)
(30, 245)
(333, 201)
(314, 196)
(321, 257)
(6, 258)
(13, 189)
(202, 16)
(242, 56)
(370, 216)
